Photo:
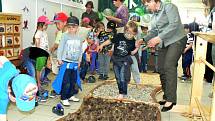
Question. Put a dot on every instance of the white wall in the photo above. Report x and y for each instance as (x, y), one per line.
(188, 9)
(38, 8)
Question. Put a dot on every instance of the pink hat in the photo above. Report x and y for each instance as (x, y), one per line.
(44, 19)
(86, 20)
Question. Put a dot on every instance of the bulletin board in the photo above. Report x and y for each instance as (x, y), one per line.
(10, 35)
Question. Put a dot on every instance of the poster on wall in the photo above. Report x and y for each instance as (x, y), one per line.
(2, 52)
(16, 29)
(9, 52)
(9, 40)
(9, 28)
(16, 52)
(17, 40)
(2, 28)
(26, 18)
(1, 45)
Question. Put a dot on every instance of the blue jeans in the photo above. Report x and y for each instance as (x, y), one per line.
(84, 67)
(44, 73)
(29, 64)
(94, 63)
(69, 84)
(122, 75)
(143, 65)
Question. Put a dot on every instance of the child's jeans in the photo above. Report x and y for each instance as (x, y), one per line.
(94, 64)
(187, 59)
(104, 62)
(68, 88)
(29, 64)
(143, 65)
(122, 74)
(84, 67)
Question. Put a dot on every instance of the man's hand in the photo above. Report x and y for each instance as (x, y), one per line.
(60, 62)
(154, 41)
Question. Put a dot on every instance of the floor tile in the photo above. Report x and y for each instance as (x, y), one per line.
(178, 117)
(37, 118)
(165, 116)
(15, 115)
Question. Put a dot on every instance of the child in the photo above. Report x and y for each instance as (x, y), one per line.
(154, 52)
(40, 38)
(36, 59)
(143, 50)
(93, 43)
(103, 56)
(124, 46)
(19, 88)
(143, 57)
(60, 20)
(86, 23)
(92, 51)
(187, 55)
(69, 58)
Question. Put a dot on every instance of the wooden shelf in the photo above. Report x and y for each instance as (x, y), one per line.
(207, 36)
(9, 47)
(12, 31)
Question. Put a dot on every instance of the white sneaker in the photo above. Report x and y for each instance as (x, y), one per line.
(65, 102)
(74, 99)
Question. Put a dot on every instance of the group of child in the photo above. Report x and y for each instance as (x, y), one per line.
(82, 47)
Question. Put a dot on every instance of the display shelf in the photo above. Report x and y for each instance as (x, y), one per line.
(10, 35)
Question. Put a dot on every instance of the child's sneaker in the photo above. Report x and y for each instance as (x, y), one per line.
(74, 99)
(53, 94)
(43, 95)
(105, 77)
(65, 102)
(58, 109)
(43, 98)
(100, 76)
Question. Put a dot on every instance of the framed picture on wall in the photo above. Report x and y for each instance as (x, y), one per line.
(9, 40)
(1, 44)
(9, 52)
(16, 40)
(16, 52)
(9, 28)
(16, 28)
(2, 28)
(2, 52)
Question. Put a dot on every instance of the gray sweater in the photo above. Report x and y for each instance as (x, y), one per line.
(70, 48)
(166, 24)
